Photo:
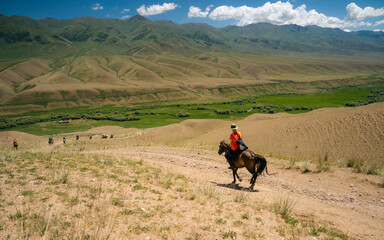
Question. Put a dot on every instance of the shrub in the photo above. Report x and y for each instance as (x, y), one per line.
(182, 115)
(360, 167)
(323, 163)
(284, 206)
(27, 193)
(373, 169)
(117, 202)
(241, 197)
(230, 234)
(221, 221)
(355, 103)
(222, 112)
(61, 176)
(304, 166)
(17, 215)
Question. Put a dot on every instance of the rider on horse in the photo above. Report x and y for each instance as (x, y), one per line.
(237, 146)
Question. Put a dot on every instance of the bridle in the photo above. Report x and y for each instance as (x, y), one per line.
(222, 148)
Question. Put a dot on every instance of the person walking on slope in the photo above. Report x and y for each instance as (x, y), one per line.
(15, 145)
(64, 140)
(237, 146)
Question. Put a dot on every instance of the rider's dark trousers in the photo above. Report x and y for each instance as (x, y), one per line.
(232, 155)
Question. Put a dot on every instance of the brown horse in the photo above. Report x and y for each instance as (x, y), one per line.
(254, 163)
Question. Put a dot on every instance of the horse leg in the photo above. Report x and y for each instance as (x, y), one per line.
(253, 180)
(234, 176)
(237, 175)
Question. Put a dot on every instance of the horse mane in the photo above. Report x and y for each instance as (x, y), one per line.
(224, 143)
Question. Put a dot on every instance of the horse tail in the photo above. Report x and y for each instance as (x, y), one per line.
(260, 162)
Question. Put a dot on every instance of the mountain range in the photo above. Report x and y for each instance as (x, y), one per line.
(26, 37)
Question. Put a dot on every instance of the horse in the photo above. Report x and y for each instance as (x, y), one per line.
(254, 163)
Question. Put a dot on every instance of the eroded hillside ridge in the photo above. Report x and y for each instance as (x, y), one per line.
(52, 63)
(120, 79)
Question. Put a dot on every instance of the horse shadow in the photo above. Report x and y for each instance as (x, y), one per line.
(235, 186)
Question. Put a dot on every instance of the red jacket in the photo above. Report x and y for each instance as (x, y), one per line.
(234, 137)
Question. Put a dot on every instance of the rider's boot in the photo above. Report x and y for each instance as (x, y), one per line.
(231, 163)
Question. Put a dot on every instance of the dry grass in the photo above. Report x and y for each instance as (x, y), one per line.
(64, 192)
(284, 206)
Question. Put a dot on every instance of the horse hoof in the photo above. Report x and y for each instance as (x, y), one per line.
(240, 179)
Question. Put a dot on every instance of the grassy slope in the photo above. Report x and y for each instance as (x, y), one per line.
(63, 192)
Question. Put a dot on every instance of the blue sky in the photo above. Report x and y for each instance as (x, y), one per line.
(347, 15)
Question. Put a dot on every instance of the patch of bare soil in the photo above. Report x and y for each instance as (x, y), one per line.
(350, 202)
(8, 136)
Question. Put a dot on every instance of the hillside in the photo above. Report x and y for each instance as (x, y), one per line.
(143, 185)
(50, 63)
(36, 84)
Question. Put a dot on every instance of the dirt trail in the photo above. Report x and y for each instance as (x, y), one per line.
(350, 202)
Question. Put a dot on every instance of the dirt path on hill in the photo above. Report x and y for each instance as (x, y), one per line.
(350, 202)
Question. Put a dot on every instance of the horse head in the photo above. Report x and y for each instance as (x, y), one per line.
(223, 147)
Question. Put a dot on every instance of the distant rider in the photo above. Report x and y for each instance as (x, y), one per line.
(15, 145)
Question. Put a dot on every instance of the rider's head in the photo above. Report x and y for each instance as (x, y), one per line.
(234, 127)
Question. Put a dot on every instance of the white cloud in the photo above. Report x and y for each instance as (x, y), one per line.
(196, 12)
(125, 16)
(347, 30)
(156, 9)
(379, 23)
(378, 30)
(97, 6)
(278, 13)
(281, 13)
(357, 13)
(125, 10)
